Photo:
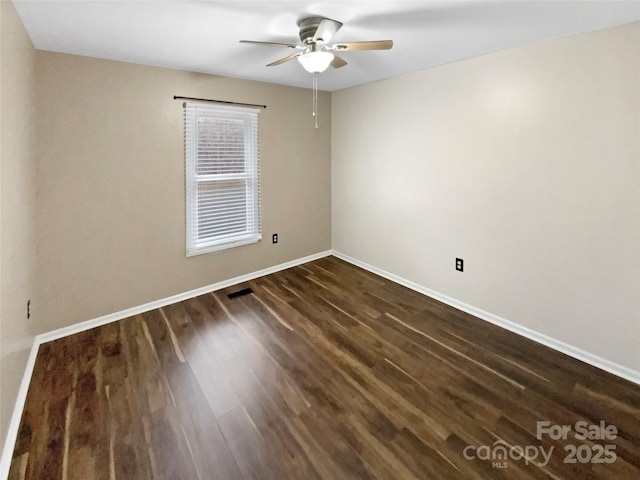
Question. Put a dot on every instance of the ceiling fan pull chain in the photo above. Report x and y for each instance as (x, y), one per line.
(315, 98)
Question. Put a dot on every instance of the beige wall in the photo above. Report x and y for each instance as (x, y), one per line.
(111, 220)
(17, 206)
(525, 163)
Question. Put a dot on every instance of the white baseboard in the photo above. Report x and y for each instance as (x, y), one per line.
(12, 433)
(575, 352)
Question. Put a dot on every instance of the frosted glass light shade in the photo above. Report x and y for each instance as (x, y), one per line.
(316, 62)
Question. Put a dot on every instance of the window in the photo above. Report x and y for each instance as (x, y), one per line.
(222, 177)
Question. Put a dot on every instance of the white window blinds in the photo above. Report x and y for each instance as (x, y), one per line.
(222, 177)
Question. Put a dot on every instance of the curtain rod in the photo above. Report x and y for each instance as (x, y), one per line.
(176, 97)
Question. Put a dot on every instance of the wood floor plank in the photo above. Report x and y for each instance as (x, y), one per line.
(248, 446)
(271, 417)
(208, 450)
(324, 372)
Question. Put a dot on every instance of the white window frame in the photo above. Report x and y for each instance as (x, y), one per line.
(251, 176)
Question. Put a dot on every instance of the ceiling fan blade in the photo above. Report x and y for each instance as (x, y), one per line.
(271, 44)
(337, 62)
(373, 45)
(326, 30)
(283, 60)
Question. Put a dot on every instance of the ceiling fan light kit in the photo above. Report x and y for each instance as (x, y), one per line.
(316, 62)
(316, 54)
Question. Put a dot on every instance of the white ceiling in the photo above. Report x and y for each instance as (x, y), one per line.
(202, 36)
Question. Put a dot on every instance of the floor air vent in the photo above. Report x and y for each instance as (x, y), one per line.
(239, 293)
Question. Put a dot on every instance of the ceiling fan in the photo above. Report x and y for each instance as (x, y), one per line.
(315, 53)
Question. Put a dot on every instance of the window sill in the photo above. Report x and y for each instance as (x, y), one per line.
(192, 251)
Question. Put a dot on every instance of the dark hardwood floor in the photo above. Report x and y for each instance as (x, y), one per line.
(324, 372)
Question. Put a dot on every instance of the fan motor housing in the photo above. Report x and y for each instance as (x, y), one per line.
(308, 28)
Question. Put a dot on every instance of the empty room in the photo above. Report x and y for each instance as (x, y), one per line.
(319, 240)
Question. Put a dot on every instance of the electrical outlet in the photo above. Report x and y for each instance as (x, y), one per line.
(459, 265)
(274, 238)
